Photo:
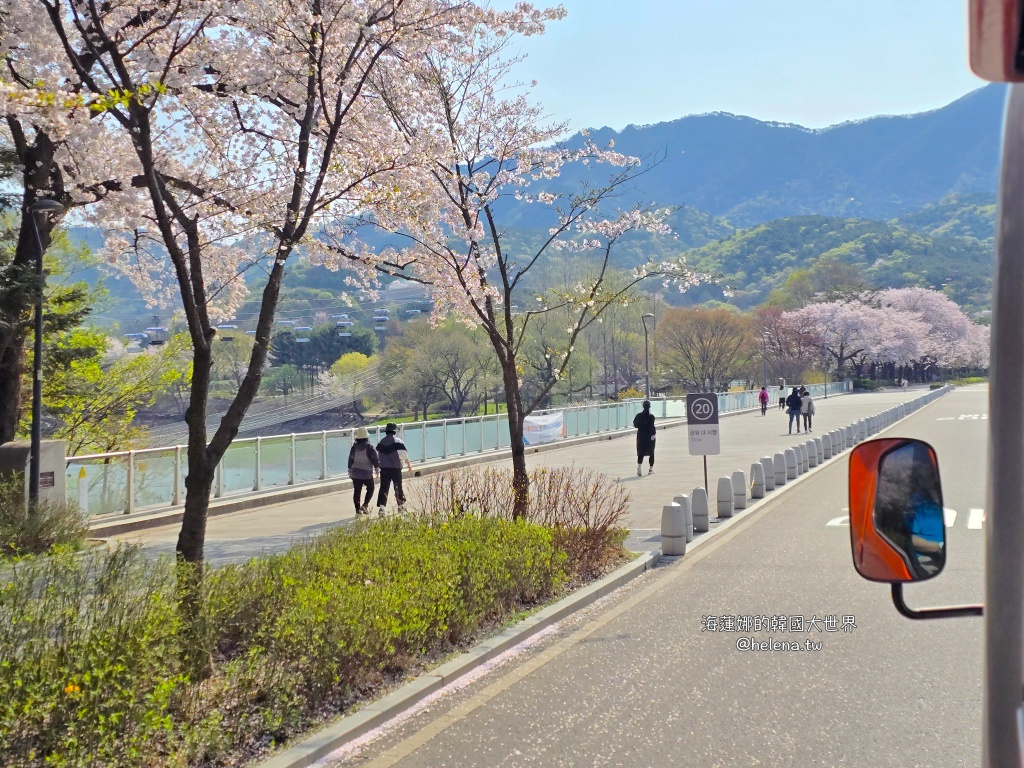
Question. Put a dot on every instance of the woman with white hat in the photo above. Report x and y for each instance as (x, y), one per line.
(363, 464)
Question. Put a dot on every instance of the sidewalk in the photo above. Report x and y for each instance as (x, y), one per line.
(744, 438)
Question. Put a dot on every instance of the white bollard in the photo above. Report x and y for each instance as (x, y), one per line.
(791, 463)
(757, 481)
(684, 502)
(739, 490)
(769, 472)
(812, 454)
(673, 530)
(699, 507)
(801, 458)
(781, 469)
(725, 497)
(820, 448)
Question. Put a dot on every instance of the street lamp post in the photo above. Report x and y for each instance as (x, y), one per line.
(647, 363)
(764, 358)
(40, 207)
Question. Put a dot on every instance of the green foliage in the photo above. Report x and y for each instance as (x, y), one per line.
(32, 531)
(324, 347)
(90, 646)
(93, 402)
(838, 253)
(282, 380)
(958, 215)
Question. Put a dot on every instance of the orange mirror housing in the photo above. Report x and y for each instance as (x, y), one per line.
(997, 40)
(896, 518)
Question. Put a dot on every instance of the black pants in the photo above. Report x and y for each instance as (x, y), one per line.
(764, 407)
(807, 422)
(357, 486)
(646, 449)
(387, 477)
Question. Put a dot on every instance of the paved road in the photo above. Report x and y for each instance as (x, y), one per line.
(745, 438)
(634, 681)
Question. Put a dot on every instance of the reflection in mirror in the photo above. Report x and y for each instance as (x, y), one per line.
(908, 507)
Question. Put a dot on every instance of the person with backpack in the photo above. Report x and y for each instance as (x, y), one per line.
(363, 464)
(644, 424)
(762, 398)
(806, 408)
(392, 453)
(793, 406)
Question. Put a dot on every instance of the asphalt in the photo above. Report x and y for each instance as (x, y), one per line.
(638, 679)
(744, 439)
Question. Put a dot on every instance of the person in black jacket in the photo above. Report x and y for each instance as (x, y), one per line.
(644, 423)
(793, 405)
(392, 453)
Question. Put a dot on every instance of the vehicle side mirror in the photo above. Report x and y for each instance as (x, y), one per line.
(897, 530)
(997, 40)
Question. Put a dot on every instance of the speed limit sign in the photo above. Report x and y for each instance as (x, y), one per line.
(702, 424)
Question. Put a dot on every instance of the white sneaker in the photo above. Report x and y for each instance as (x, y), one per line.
(380, 511)
(401, 508)
(639, 470)
(650, 470)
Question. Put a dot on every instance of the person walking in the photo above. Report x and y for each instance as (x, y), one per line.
(763, 397)
(806, 408)
(782, 397)
(362, 465)
(644, 423)
(392, 453)
(793, 405)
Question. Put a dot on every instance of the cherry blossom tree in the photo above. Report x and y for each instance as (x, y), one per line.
(492, 145)
(246, 128)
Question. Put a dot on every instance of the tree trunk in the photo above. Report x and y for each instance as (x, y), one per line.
(514, 404)
(19, 280)
(201, 466)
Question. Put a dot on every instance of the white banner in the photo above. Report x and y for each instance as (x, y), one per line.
(543, 428)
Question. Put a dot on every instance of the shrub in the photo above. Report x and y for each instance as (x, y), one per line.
(91, 646)
(584, 508)
(869, 385)
(25, 531)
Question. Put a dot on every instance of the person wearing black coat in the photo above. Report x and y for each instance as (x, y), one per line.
(644, 423)
(793, 405)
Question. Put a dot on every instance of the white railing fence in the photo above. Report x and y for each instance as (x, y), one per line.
(126, 482)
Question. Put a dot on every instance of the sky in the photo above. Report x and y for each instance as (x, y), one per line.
(811, 62)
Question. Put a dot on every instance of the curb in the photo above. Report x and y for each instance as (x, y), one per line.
(320, 744)
(110, 527)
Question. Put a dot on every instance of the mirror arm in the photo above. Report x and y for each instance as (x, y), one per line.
(932, 613)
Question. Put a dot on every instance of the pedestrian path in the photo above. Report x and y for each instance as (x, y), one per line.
(745, 438)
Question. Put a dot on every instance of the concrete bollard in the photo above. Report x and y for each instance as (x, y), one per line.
(739, 490)
(781, 469)
(757, 481)
(699, 508)
(850, 440)
(812, 454)
(769, 472)
(725, 497)
(684, 502)
(826, 447)
(862, 432)
(673, 530)
(791, 470)
(820, 448)
(801, 458)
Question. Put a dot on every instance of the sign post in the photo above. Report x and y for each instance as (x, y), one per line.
(702, 427)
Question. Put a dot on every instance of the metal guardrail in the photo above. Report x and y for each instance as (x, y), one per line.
(150, 479)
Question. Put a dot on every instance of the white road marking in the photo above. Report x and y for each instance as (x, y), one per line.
(976, 519)
(839, 521)
(949, 516)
